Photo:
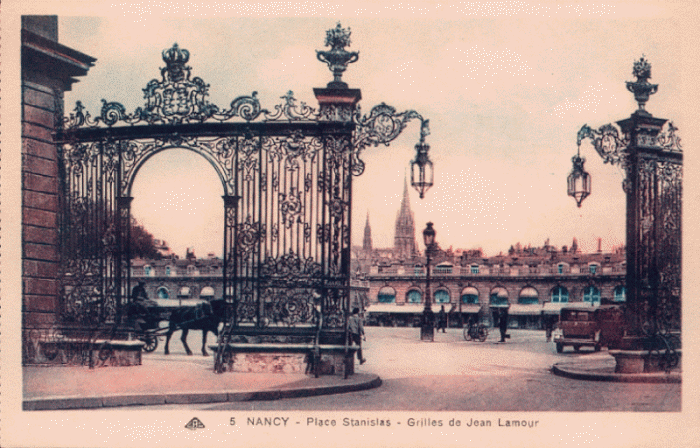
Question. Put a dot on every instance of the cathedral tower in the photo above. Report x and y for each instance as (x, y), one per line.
(405, 232)
(367, 240)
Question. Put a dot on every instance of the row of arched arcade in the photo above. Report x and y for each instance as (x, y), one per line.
(498, 296)
(402, 305)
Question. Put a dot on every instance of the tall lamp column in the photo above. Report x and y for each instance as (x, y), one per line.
(427, 329)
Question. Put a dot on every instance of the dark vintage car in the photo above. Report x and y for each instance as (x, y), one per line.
(589, 327)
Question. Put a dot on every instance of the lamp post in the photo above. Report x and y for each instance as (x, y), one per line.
(427, 329)
(650, 155)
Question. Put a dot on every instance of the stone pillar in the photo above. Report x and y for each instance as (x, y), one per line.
(48, 70)
(653, 187)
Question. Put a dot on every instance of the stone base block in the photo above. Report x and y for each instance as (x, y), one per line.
(97, 353)
(268, 362)
(640, 361)
(330, 363)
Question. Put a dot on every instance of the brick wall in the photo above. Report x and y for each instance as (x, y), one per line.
(48, 70)
(40, 189)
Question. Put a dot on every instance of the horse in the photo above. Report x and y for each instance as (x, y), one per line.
(205, 317)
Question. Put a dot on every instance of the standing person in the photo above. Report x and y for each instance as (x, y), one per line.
(503, 323)
(137, 311)
(442, 319)
(357, 332)
(139, 292)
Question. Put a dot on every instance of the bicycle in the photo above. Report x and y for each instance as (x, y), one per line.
(476, 332)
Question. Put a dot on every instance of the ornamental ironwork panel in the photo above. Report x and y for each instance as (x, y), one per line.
(90, 232)
(286, 173)
(291, 237)
(287, 196)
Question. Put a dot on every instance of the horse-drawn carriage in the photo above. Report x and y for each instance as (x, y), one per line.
(145, 317)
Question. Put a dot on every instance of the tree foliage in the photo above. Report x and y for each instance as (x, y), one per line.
(142, 244)
(90, 231)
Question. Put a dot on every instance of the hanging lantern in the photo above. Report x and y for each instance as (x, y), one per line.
(422, 169)
(579, 181)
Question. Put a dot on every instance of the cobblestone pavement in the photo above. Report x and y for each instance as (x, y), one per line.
(456, 375)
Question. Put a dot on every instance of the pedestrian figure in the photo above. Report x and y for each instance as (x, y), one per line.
(138, 311)
(442, 319)
(548, 327)
(503, 323)
(357, 332)
(139, 292)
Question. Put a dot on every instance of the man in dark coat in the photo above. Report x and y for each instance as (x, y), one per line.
(442, 319)
(503, 323)
(357, 332)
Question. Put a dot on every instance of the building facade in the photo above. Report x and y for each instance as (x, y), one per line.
(180, 282)
(532, 282)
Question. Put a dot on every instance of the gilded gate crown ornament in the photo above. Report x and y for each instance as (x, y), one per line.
(337, 58)
(175, 60)
(642, 89)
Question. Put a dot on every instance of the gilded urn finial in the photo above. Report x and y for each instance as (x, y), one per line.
(642, 89)
(337, 57)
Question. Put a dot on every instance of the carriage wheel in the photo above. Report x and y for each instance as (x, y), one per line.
(151, 343)
(483, 333)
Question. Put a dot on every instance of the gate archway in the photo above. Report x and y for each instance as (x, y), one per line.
(287, 178)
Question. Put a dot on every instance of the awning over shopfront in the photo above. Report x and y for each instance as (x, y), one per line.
(407, 309)
(469, 308)
(550, 308)
(393, 308)
(518, 309)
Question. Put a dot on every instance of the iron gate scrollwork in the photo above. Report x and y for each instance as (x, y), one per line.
(287, 181)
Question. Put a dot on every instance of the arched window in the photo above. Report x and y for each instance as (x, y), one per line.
(619, 294)
(498, 297)
(168, 271)
(591, 294)
(560, 295)
(386, 295)
(207, 292)
(593, 268)
(184, 292)
(444, 268)
(414, 296)
(470, 295)
(528, 296)
(162, 293)
(442, 296)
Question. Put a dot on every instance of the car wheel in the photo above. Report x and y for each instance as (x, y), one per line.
(560, 348)
(577, 348)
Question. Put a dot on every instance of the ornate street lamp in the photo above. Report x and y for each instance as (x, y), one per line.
(579, 181)
(427, 330)
(649, 152)
(422, 166)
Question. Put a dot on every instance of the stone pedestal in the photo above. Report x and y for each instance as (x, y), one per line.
(640, 361)
(98, 353)
(264, 359)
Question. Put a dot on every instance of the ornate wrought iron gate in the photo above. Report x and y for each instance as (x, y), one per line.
(287, 178)
(649, 151)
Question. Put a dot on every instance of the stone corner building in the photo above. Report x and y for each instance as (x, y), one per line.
(48, 70)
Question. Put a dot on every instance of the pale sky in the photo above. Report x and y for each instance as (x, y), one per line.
(506, 91)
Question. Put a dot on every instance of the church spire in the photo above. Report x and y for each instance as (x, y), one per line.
(405, 231)
(367, 241)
